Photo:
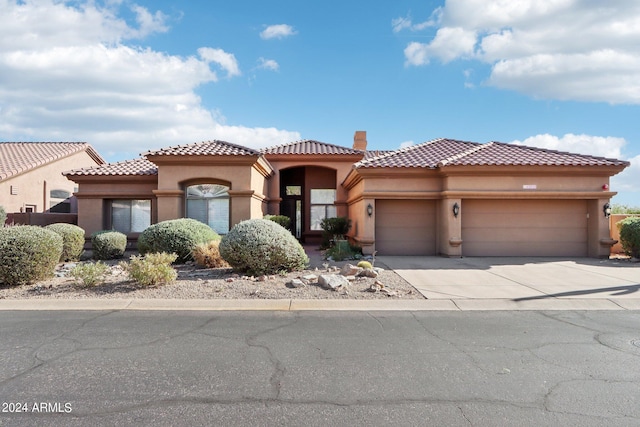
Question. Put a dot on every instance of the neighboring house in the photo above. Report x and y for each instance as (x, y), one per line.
(31, 177)
(447, 197)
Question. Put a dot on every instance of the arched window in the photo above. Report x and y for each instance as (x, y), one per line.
(209, 203)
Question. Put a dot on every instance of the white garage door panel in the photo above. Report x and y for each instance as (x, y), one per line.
(524, 228)
(405, 227)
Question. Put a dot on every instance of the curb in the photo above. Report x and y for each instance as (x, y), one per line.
(320, 305)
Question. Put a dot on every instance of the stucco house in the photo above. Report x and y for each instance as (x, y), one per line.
(31, 177)
(447, 197)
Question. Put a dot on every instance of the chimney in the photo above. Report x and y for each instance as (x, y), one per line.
(360, 140)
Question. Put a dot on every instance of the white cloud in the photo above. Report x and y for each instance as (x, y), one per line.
(406, 144)
(226, 60)
(268, 64)
(602, 146)
(555, 49)
(406, 22)
(68, 74)
(278, 31)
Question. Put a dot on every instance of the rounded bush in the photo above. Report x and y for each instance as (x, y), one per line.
(3, 216)
(260, 246)
(630, 235)
(283, 220)
(28, 254)
(72, 240)
(108, 244)
(178, 236)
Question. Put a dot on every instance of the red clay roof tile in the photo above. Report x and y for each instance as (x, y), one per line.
(309, 146)
(205, 148)
(140, 166)
(18, 157)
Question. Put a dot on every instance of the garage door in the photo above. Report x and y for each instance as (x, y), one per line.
(405, 227)
(524, 227)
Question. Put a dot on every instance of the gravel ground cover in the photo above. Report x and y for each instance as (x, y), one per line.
(220, 283)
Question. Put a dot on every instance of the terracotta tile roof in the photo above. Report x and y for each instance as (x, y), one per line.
(205, 148)
(139, 166)
(309, 146)
(449, 152)
(19, 157)
(501, 154)
(425, 155)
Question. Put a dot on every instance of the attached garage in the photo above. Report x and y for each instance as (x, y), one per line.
(405, 227)
(524, 228)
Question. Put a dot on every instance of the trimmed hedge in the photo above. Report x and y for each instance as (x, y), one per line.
(178, 236)
(630, 235)
(28, 254)
(260, 246)
(108, 244)
(72, 240)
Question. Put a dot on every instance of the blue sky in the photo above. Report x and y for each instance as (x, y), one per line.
(129, 76)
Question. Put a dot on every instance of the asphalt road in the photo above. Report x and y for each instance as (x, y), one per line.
(320, 368)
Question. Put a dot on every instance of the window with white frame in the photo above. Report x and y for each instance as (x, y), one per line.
(130, 216)
(209, 203)
(322, 206)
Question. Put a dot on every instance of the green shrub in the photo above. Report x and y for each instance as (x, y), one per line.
(152, 269)
(208, 255)
(334, 229)
(283, 220)
(343, 250)
(630, 235)
(260, 246)
(3, 216)
(72, 240)
(28, 254)
(108, 244)
(90, 274)
(179, 236)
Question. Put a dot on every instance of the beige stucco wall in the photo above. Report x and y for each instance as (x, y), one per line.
(34, 186)
(244, 176)
(95, 191)
(454, 185)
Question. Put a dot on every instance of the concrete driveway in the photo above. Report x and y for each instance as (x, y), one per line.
(506, 282)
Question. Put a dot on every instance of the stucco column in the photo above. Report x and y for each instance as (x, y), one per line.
(241, 206)
(170, 204)
(366, 225)
(450, 241)
(599, 239)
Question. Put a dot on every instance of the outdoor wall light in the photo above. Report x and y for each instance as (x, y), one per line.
(369, 209)
(607, 210)
(456, 209)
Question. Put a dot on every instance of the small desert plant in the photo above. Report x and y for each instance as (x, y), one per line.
(365, 264)
(108, 244)
(152, 269)
(208, 255)
(72, 240)
(3, 216)
(343, 250)
(630, 235)
(260, 246)
(28, 254)
(178, 236)
(283, 220)
(90, 274)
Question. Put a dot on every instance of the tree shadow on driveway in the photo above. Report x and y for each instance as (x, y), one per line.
(619, 290)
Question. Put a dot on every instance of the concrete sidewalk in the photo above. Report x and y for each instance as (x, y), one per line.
(523, 283)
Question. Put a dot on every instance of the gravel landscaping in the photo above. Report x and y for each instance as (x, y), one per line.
(222, 283)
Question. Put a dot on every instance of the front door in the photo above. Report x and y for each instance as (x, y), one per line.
(292, 207)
